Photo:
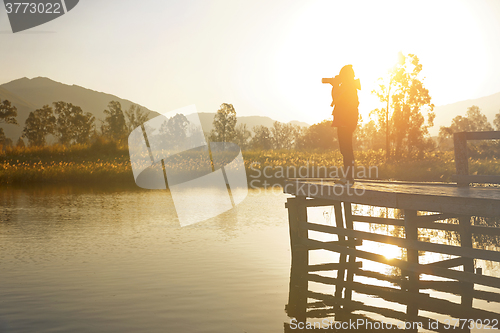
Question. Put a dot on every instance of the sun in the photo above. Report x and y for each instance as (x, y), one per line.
(315, 48)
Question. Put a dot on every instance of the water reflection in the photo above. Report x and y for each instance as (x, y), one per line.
(116, 260)
(333, 291)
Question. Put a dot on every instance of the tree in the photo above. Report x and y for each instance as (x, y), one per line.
(474, 121)
(2, 136)
(39, 124)
(114, 126)
(406, 95)
(8, 113)
(477, 120)
(284, 135)
(72, 125)
(4, 141)
(174, 131)
(496, 122)
(224, 124)
(321, 135)
(135, 117)
(242, 136)
(20, 143)
(262, 138)
(368, 136)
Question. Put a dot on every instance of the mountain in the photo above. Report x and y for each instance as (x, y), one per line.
(31, 94)
(299, 123)
(489, 105)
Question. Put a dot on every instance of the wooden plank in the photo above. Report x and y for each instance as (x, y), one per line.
(480, 229)
(358, 306)
(480, 179)
(424, 221)
(378, 220)
(453, 287)
(449, 263)
(439, 226)
(387, 293)
(293, 222)
(352, 259)
(476, 201)
(461, 160)
(457, 288)
(334, 266)
(397, 280)
(419, 301)
(355, 305)
(350, 243)
(434, 217)
(297, 214)
(297, 300)
(410, 244)
(374, 181)
(466, 242)
(486, 135)
(339, 223)
(475, 229)
(422, 269)
(436, 306)
(411, 234)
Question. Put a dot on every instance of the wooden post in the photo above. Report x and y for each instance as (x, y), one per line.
(466, 242)
(461, 160)
(297, 217)
(352, 259)
(339, 223)
(411, 233)
(297, 295)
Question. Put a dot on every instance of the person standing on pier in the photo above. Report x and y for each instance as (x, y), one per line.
(345, 116)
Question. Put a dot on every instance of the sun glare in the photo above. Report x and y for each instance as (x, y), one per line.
(318, 47)
(319, 42)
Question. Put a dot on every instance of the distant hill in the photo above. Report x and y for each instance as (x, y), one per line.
(31, 94)
(489, 105)
(207, 118)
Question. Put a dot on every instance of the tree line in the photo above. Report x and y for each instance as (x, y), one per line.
(69, 124)
(474, 121)
(320, 136)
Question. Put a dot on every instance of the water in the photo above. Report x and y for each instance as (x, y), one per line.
(117, 261)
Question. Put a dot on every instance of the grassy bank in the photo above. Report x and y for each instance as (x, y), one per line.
(107, 163)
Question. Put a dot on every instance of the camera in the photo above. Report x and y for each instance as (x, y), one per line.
(332, 80)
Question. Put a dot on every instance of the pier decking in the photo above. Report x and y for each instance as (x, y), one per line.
(470, 213)
(432, 197)
(435, 206)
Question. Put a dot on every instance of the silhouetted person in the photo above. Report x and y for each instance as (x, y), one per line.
(345, 115)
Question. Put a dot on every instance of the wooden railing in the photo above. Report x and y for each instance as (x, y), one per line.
(405, 286)
(462, 161)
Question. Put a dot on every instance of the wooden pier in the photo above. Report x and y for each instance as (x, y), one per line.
(467, 212)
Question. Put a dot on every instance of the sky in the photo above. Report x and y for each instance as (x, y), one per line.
(266, 58)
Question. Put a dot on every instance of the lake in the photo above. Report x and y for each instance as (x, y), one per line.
(86, 260)
(116, 260)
